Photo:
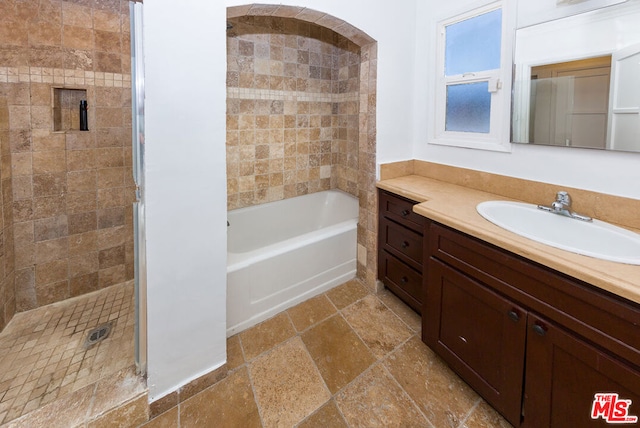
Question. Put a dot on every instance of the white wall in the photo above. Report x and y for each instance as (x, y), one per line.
(608, 172)
(185, 190)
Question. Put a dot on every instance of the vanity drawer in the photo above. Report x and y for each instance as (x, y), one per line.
(402, 280)
(402, 242)
(400, 209)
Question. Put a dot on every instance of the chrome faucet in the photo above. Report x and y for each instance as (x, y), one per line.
(562, 206)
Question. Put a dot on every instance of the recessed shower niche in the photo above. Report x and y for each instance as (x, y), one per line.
(66, 109)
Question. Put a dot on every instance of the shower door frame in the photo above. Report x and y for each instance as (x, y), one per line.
(140, 259)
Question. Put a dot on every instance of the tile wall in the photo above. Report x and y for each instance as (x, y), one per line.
(7, 291)
(292, 105)
(301, 116)
(70, 191)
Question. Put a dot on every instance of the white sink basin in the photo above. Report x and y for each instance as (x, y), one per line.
(596, 238)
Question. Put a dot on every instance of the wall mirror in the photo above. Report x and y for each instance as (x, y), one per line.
(577, 80)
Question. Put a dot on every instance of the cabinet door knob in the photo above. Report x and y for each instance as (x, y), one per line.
(513, 315)
(539, 329)
(404, 280)
(405, 213)
(404, 244)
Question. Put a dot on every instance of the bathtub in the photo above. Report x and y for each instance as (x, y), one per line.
(282, 253)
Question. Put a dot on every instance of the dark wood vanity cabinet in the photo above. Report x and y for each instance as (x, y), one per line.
(563, 373)
(479, 333)
(536, 344)
(400, 248)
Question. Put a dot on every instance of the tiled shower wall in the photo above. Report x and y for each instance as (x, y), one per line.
(260, 80)
(7, 291)
(292, 110)
(71, 191)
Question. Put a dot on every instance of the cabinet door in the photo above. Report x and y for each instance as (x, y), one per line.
(479, 333)
(563, 374)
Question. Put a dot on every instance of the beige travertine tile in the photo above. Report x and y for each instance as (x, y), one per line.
(69, 411)
(347, 293)
(235, 358)
(106, 21)
(484, 416)
(380, 329)
(311, 312)
(327, 416)
(163, 404)
(287, 384)
(64, 49)
(202, 383)
(235, 405)
(44, 358)
(441, 395)
(131, 414)
(168, 419)
(110, 390)
(376, 400)
(302, 68)
(266, 335)
(410, 317)
(337, 351)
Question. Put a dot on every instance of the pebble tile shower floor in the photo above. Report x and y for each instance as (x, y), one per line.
(44, 353)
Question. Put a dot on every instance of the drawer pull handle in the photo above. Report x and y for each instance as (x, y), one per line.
(513, 315)
(405, 213)
(404, 280)
(404, 244)
(539, 329)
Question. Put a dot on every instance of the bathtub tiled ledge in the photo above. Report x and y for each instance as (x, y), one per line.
(452, 198)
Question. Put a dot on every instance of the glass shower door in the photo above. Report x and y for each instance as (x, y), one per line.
(137, 92)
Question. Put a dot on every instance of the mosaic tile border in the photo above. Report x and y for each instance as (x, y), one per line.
(270, 94)
(62, 76)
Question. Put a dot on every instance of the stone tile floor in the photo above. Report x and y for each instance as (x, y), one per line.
(47, 369)
(346, 358)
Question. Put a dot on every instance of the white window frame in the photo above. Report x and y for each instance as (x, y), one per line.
(499, 84)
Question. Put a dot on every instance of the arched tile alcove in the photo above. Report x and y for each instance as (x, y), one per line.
(253, 154)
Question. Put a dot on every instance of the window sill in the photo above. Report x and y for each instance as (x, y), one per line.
(473, 143)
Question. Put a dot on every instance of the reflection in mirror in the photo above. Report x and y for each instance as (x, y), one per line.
(569, 103)
(577, 81)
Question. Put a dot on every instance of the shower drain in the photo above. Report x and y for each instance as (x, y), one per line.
(97, 334)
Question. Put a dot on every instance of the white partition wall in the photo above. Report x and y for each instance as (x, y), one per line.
(185, 190)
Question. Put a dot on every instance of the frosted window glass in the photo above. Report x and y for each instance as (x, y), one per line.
(468, 107)
(473, 44)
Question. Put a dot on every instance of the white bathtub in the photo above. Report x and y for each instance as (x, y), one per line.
(282, 253)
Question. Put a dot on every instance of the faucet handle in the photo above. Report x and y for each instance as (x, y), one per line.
(563, 197)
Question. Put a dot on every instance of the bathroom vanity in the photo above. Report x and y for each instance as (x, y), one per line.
(517, 320)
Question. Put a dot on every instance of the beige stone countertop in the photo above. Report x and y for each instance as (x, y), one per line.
(455, 206)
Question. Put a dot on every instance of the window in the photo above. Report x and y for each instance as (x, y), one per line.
(469, 101)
